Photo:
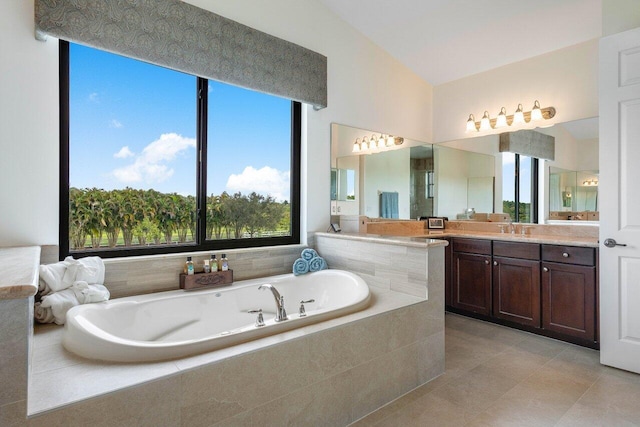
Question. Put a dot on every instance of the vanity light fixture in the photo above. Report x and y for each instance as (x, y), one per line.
(519, 117)
(356, 146)
(590, 182)
(375, 143)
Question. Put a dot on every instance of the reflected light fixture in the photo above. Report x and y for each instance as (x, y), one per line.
(518, 118)
(501, 120)
(471, 124)
(590, 182)
(356, 146)
(390, 141)
(485, 121)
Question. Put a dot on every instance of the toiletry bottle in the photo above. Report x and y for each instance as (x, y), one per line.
(225, 263)
(207, 266)
(214, 263)
(188, 266)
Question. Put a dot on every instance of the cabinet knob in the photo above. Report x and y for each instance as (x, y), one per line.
(495, 262)
(486, 261)
(564, 254)
(545, 269)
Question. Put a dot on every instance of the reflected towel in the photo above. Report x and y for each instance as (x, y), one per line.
(389, 205)
(300, 266)
(317, 264)
(308, 254)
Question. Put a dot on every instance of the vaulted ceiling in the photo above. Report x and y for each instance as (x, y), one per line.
(445, 40)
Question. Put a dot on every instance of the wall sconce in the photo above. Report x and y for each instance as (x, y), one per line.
(376, 142)
(590, 182)
(519, 117)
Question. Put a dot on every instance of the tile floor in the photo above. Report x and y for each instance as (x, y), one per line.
(496, 376)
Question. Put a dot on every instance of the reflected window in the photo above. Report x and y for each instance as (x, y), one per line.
(520, 187)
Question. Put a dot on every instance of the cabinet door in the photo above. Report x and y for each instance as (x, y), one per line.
(472, 282)
(516, 290)
(447, 274)
(568, 299)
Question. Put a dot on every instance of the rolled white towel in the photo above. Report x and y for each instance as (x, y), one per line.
(59, 303)
(89, 269)
(87, 294)
(43, 314)
(51, 277)
(54, 307)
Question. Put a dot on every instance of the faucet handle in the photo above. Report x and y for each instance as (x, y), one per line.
(260, 319)
(303, 312)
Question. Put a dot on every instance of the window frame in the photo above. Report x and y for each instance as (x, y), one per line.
(201, 243)
(534, 189)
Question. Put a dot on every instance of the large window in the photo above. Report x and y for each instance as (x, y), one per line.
(156, 161)
(520, 187)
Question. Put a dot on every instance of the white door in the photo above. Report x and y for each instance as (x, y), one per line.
(619, 193)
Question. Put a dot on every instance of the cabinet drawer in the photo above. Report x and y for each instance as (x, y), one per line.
(569, 254)
(472, 246)
(516, 250)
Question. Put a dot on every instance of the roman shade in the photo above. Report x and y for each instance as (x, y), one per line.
(529, 143)
(186, 38)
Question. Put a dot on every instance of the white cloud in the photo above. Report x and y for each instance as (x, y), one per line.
(151, 166)
(93, 97)
(115, 124)
(124, 153)
(265, 181)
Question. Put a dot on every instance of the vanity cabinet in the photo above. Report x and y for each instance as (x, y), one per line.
(471, 278)
(545, 289)
(516, 282)
(569, 291)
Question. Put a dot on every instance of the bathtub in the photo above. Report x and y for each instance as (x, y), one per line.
(175, 324)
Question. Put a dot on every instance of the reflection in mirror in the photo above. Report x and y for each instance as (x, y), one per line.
(573, 195)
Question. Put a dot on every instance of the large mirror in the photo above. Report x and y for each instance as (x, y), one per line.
(463, 179)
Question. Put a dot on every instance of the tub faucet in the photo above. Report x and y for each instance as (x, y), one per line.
(281, 313)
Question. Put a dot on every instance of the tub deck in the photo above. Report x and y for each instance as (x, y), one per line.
(59, 378)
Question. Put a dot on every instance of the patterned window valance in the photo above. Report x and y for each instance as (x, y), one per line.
(183, 37)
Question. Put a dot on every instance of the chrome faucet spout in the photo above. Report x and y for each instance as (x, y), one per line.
(281, 313)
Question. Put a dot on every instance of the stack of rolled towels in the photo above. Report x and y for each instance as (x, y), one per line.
(66, 284)
(309, 261)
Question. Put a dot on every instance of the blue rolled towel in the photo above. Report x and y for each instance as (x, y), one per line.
(300, 266)
(317, 264)
(308, 254)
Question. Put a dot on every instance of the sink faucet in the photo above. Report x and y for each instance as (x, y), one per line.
(281, 313)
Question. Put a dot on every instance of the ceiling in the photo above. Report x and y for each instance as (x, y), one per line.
(445, 40)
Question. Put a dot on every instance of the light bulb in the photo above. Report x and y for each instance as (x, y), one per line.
(485, 122)
(518, 116)
(356, 146)
(536, 113)
(471, 124)
(501, 120)
(390, 141)
(365, 144)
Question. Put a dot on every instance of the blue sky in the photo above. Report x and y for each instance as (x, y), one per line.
(508, 181)
(134, 124)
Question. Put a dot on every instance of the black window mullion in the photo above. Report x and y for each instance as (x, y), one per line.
(202, 94)
(534, 190)
(63, 225)
(516, 213)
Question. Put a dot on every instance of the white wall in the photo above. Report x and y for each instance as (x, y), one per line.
(566, 79)
(367, 89)
(29, 139)
(588, 156)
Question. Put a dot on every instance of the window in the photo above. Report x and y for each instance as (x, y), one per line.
(520, 187)
(155, 161)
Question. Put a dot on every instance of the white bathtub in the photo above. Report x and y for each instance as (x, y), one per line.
(176, 324)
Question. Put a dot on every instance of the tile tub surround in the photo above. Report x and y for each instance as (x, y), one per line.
(330, 373)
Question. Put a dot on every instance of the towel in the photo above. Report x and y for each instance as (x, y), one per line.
(389, 205)
(62, 275)
(317, 264)
(53, 307)
(308, 254)
(300, 266)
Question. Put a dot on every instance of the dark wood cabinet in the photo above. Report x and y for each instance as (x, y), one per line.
(471, 278)
(545, 289)
(516, 290)
(568, 299)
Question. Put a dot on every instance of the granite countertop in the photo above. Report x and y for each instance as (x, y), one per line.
(429, 238)
(591, 242)
(422, 241)
(19, 272)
